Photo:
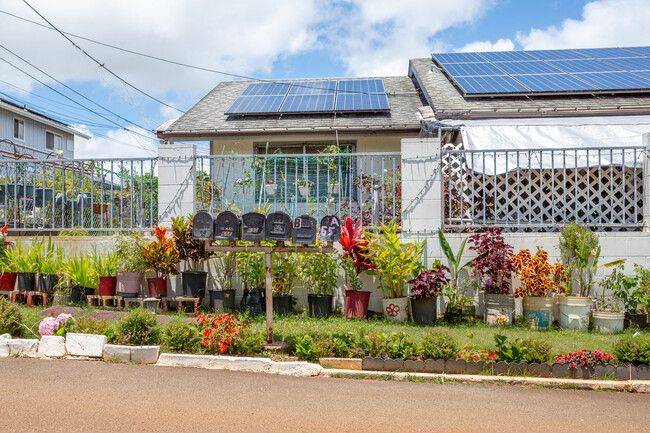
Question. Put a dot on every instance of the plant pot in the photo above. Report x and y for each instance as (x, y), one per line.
(396, 309)
(538, 311)
(356, 303)
(8, 281)
(424, 310)
(25, 281)
(194, 284)
(43, 196)
(46, 282)
(270, 189)
(283, 304)
(222, 300)
(496, 305)
(334, 188)
(60, 299)
(608, 323)
(574, 312)
(128, 284)
(303, 190)
(241, 190)
(319, 305)
(636, 320)
(79, 294)
(457, 315)
(157, 287)
(107, 286)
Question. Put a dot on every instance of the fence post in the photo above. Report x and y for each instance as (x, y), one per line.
(646, 182)
(176, 181)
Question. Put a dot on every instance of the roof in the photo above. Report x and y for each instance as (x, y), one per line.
(448, 101)
(206, 119)
(39, 117)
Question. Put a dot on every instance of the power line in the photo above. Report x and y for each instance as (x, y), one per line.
(101, 65)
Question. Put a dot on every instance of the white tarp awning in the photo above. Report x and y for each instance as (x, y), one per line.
(559, 142)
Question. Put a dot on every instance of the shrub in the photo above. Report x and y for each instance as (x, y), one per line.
(88, 325)
(181, 336)
(250, 343)
(633, 350)
(136, 328)
(534, 350)
(221, 331)
(439, 344)
(311, 348)
(586, 358)
(10, 317)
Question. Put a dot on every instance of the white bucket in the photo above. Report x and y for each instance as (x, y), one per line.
(608, 323)
(396, 309)
(538, 311)
(574, 312)
(498, 304)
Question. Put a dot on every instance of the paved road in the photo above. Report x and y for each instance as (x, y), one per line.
(84, 396)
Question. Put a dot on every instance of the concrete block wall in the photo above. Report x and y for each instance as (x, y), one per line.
(176, 181)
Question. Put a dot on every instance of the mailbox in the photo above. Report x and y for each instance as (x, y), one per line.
(253, 227)
(278, 227)
(203, 226)
(227, 226)
(304, 230)
(330, 229)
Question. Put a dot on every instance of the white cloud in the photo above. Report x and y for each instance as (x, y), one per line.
(604, 23)
(500, 45)
(114, 144)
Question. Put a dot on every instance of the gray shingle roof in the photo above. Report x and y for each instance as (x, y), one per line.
(207, 118)
(448, 102)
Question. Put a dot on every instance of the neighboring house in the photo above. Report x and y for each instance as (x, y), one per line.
(34, 133)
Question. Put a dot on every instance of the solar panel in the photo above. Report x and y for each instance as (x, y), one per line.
(534, 67)
(313, 88)
(606, 53)
(583, 66)
(556, 54)
(261, 89)
(255, 104)
(553, 83)
(645, 74)
(472, 69)
(361, 102)
(490, 84)
(615, 80)
(640, 50)
(459, 57)
(361, 86)
(632, 63)
(302, 103)
(506, 56)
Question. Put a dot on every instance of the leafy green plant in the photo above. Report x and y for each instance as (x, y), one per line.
(534, 350)
(440, 344)
(88, 325)
(190, 250)
(128, 247)
(632, 349)
(319, 272)
(181, 336)
(79, 271)
(20, 258)
(225, 269)
(507, 352)
(105, 265)
(136, 328)
(160, 255)
(286, 267)
(10, 317)
(251, 268)
(455, 293)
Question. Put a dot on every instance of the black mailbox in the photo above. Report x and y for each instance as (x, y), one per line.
(253, 227)
(203, 226)
(227, 226)
(330, 229)
(304, 230)
(278, 227)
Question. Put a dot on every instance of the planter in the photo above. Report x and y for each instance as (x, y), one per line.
(79, 294)
(107, 286)
(60, 299)
(157, 287)
(574, 312)
(128, 284)
(334, 188)
(283, 304)
(320, 305)
(466, 313)
(194, 284)
(539, 311)
(46, 282)
(241, 190)
(636, 321)
(424, 310)
(43, 196)
(222, 300)
(356, 304)
(396, 309)
(608, 323)
(8, 281)
(498, 304)
(303, 190)
(25, 281)
(270, 189)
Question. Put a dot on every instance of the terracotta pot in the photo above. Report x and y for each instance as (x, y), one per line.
(356, 303)
(157, 287)
(8, 281)
(107, 286)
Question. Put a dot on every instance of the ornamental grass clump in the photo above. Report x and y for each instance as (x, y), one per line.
(584, 358)
(439, 344)
(632, 349)
(136, 328)
(221, 332)
(10, 317)
(493, 265)
(538, 277)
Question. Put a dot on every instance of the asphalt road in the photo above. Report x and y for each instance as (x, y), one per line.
(85, 396)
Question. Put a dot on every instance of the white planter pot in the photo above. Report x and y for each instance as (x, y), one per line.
(303, 190)
(334, 188)
(241, 190)
(498, 304)
(270, 189)
(396, 309)
(539, 311)
(608, 323)
(574, 312)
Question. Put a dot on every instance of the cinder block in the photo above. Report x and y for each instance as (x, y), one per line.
(90, 345)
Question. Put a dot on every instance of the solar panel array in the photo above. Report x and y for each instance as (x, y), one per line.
(593, 70)
(311, 97)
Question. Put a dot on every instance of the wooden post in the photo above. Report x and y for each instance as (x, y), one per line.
(269, 297)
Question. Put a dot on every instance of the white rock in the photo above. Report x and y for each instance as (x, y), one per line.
(4, 346)
(295, 368)
(5, 337)
(181, 360)
(145, 354)
(115, 352)
(90, 345)
(22, 345)
(52, 346)
(241, 363)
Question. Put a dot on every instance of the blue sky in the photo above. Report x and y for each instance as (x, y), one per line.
(257, 38)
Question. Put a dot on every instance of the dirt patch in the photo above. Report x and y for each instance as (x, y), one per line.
(58, 309)
(106, 315)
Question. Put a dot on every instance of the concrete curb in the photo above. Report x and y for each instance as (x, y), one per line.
(640, 386)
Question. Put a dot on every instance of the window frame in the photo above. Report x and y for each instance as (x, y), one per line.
(20, 122)
(54, 134)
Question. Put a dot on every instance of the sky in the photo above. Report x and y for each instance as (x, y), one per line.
(119, 97)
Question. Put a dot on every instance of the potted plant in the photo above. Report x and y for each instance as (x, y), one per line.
(395, 263)
(105, 266)
(242, 185)
(304, 185)
(354, 262)
(270, 187)
(320, 272)
(24, 261)
(251, 269)
(424, 293)
(285, 268)
(131, 265)
(49, 268)
(334, 186)
(194, 254)
(81, 278)
(539, 280)
(493, 267)
(460, 307)
(610, 314)
(637, 304)
(7, 270)
(161, 257)
(223, 298)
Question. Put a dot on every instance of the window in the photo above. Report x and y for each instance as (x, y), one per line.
(53, 141)
(70, 144)
(19, 129)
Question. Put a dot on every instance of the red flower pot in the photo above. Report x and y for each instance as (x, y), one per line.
(157, 287)
(356, 303)
(8, 281)
(107, 286)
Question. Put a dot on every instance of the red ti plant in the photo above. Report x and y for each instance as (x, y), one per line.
(494, 263)
(355, 253)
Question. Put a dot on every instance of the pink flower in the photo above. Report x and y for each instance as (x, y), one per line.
(48, 326)
(63, 318)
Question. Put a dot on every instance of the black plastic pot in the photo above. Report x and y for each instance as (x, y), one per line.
(283, 304)
(319, 305)
(424, 310)
(79, 294)
(460, 314)
(636, 321)
(46, 282)
(222, 300)
(194, 284)
(26, 281)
